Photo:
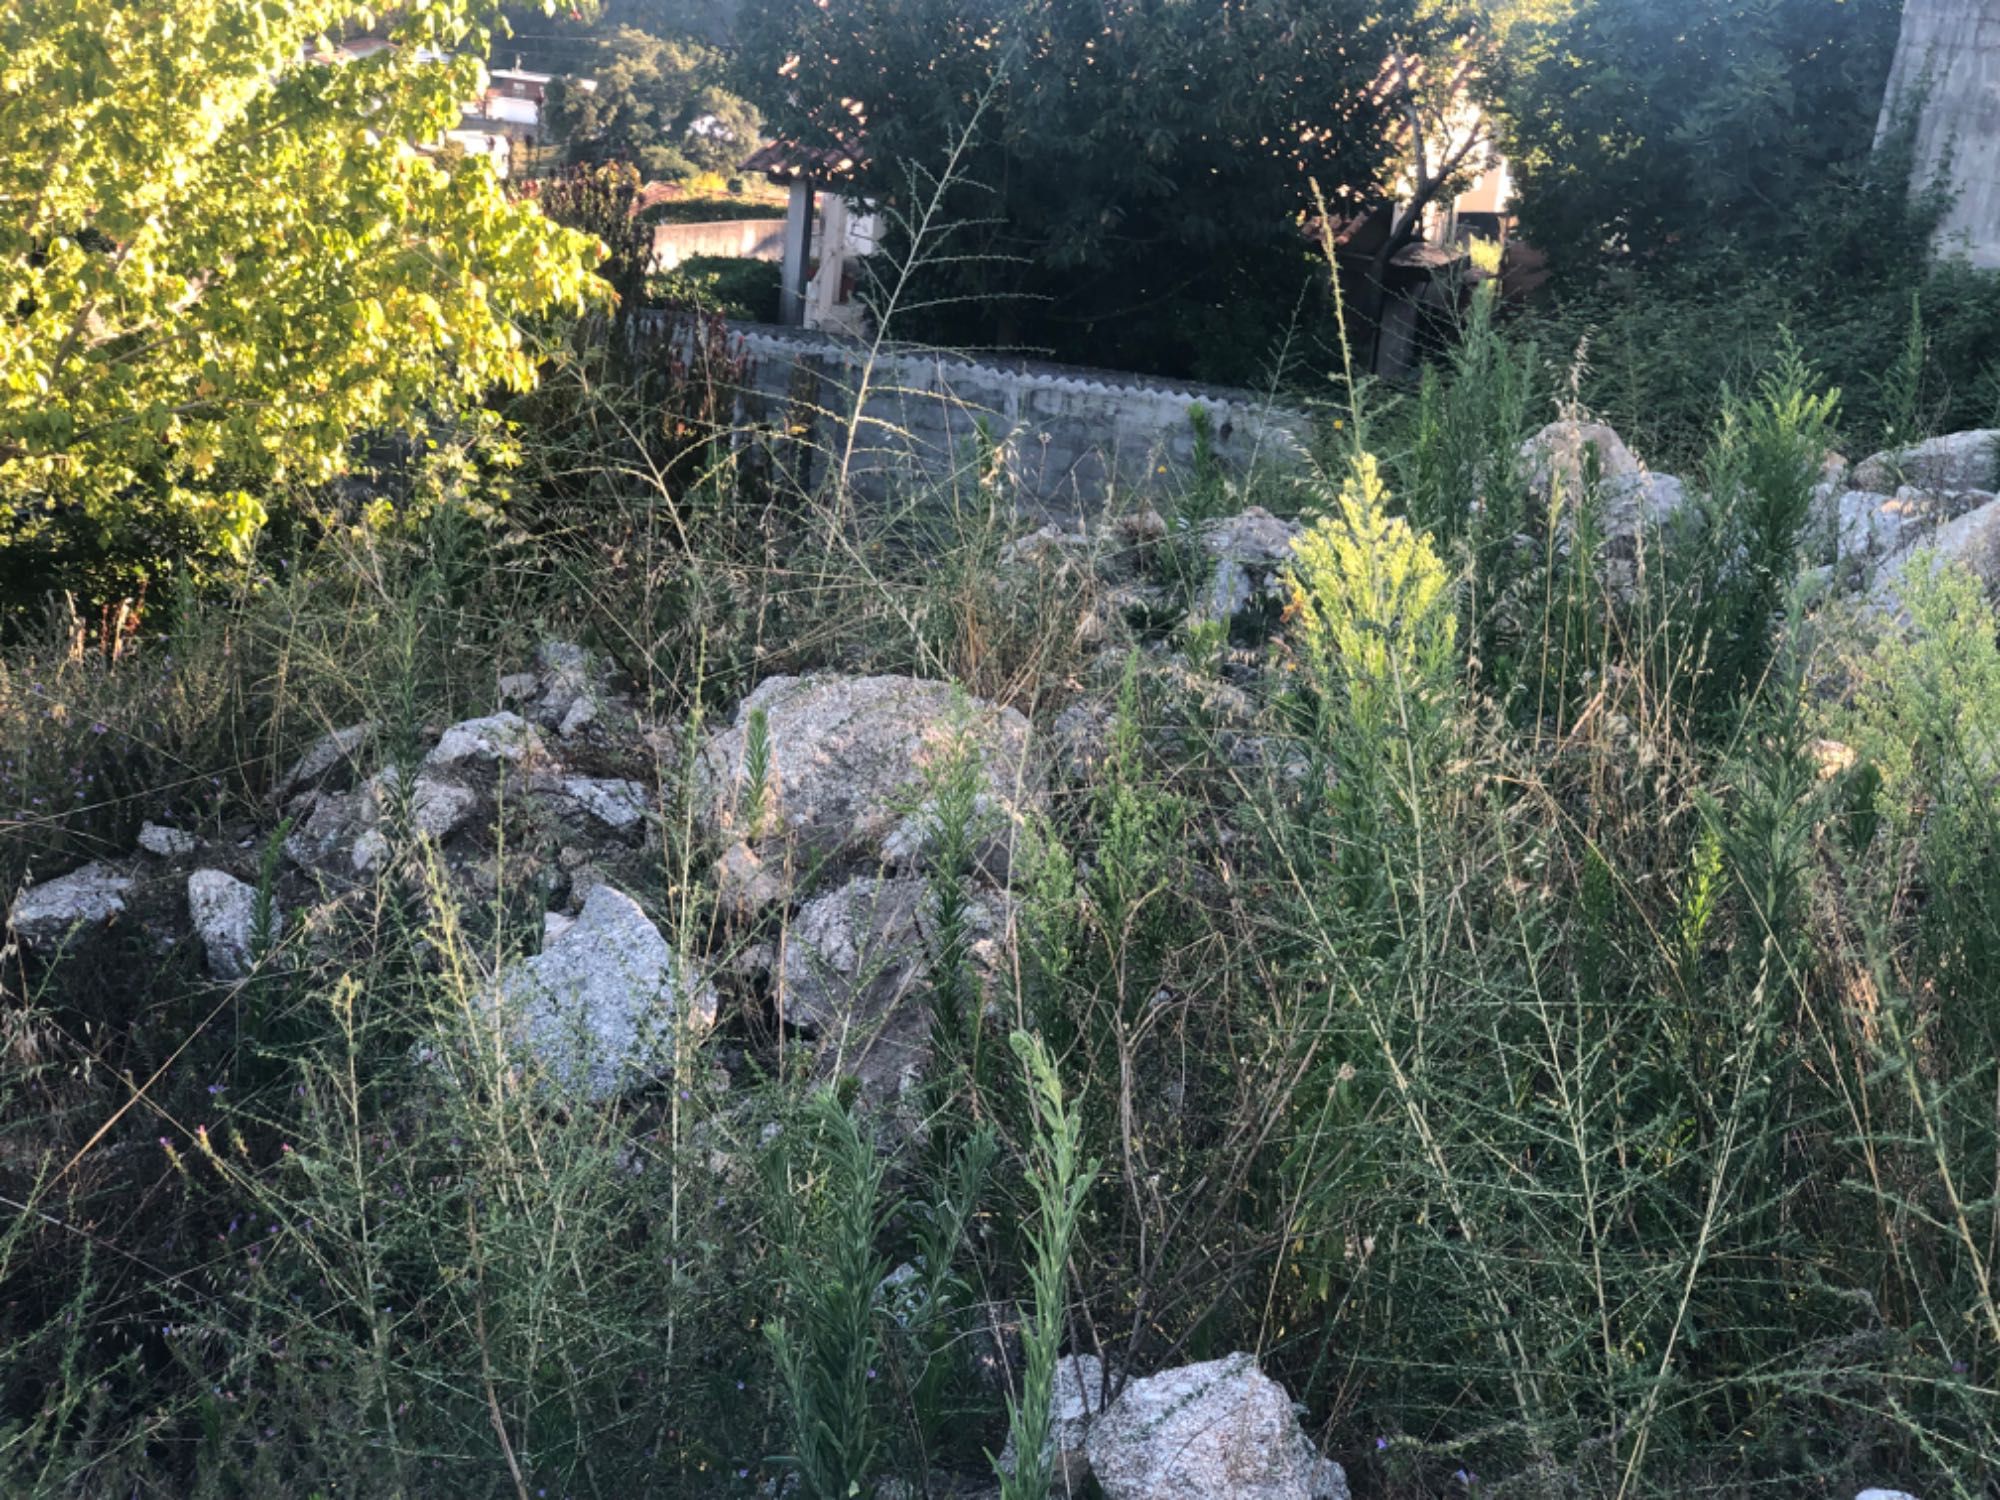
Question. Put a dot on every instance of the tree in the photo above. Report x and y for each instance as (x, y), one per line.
(603, 202)
(654, 104)
(1641, 131)
(1134, 185)
(221, 260)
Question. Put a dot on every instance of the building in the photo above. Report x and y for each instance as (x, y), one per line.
(495, 148)
(1948, 65)
(507, 113)
(827, 235)
(519, 83)
(502, 114)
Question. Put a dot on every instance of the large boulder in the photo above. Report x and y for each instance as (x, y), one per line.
(601, 1007)
(1861, 529)
(1250, 550)
(88, 898)
(847, 768)
(1958, 461)
(224, 912)
(1222, 1428)
(1633, 503)
(1972, 541)
(854, 969)
(1559, 455)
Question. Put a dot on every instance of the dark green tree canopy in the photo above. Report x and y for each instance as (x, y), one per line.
(1642, 130)
(656, 104)
(1134, 186)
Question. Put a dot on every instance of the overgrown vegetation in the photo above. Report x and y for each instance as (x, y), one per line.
(1702, 177)
(1480, 998)
(1533, 994)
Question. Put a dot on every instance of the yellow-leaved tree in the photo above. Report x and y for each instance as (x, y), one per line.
(225, 251)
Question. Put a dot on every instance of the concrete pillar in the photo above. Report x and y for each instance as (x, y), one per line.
(797, 258)
(823, 292)
(1953, 46)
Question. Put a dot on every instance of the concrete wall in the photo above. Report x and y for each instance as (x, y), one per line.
(1068, 436)
(747, 239)
(1956, 45)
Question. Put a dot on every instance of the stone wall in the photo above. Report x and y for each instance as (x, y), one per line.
(747, 239)
(1955, 46)
(1068, 437)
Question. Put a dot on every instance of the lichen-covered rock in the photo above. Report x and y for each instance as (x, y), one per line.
(87, 898)
(846, 766)
(618, 804)
(567, 694)
(600, 1008)
(167, 843)
(1957, 461)
(743, 885)
(1861, 527)
(502, 738)
(370, 851)
(1972, 541)
(854, 965)
(224, 912)
(1076, 1401)
(1632, 504)
(1557, 459)
(436, 808)
(565, 677)
(1222, 1428)
(329, 753)
(325, 829)
(1250, 550)
(1080, 737)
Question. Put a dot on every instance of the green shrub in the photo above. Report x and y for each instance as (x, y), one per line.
(725, 284)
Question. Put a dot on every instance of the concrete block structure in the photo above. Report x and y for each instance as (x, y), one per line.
(1948, 56)
(1063, 437)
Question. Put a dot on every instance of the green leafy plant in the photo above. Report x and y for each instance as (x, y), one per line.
(932, 1310)
(213, 299)
(1060, 1180)
(827, 1342)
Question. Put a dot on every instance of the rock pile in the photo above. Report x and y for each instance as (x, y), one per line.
(830, 852)
(825, 795)
(596, 1010)
(1935, 500)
